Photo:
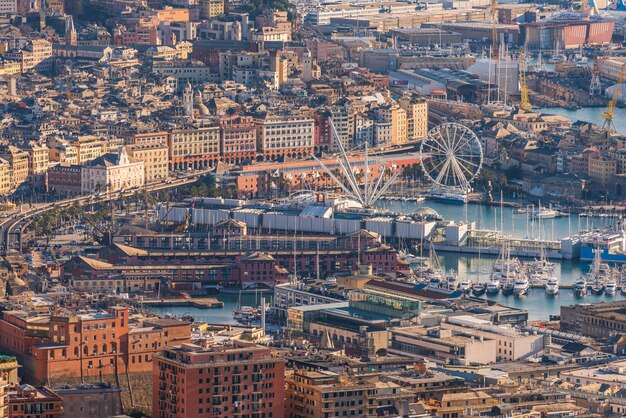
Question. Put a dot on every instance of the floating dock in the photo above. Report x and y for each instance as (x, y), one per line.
(201, 303)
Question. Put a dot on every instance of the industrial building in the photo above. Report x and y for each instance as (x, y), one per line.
(556, 33)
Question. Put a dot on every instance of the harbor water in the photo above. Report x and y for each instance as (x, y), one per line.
(536, 302)
(590, 114)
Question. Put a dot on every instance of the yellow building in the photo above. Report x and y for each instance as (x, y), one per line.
(155, 160)
(194, 148)
(602, 170)
(5, 176)
(10, 68)
(18, 161)
(38, 161)
(62, 152)
(416, 116)
(36, 53)
(89, 148)
(211, 8)
(452, 405)
(396, 117)
(312, 394)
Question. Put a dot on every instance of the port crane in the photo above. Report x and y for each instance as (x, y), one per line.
(523, 87)
(609, 114)
(595, 87)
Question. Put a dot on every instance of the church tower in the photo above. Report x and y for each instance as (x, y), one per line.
(188, 100)
(71, 37)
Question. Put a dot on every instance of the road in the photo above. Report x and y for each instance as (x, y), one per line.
(11, 227)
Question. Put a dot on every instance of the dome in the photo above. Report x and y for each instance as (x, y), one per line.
(204, 111)
(425, 211)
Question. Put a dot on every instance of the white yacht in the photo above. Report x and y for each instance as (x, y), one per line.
(465, 286)
(521, 286)
(610, 288)
(546, 213)
(580, 288)
(493, 286)
(552, 286)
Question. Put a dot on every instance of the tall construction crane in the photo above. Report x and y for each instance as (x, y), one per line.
(523, 87)
(494, 29)
(609, 114)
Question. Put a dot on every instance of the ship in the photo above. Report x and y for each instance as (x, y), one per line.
(493, 286)
(478, 289)
(521, 286)
(610, 288)
(457, 198)
(508, 288)
(465, 286)
(552, 286)
(580, 288)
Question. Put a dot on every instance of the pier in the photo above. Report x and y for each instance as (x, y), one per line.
(489, 242)
(200, 303)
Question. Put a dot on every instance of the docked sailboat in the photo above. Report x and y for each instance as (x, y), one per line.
(452, 280)
(557, 57)
(598, 273)
(508, 287)
(478, 289)
(540, 271)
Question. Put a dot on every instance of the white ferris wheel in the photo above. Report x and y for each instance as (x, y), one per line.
(452, 156)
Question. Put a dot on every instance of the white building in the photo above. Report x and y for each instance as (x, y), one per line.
(112, 172)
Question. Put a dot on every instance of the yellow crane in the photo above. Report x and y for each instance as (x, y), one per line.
(523, 87)
(494, 29)
(609, 113)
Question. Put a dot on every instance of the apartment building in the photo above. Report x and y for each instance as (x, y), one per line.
(18, 161)
(313, 394)
(26, 401)
(238, 139)
(38, 161)
(5, 176)
(416, 115)
(602, 170)
(36, 54)
(211, 8)
(147, 138)
(233, 379)
(85, 345)
(289, 136)
(397, 118)
(155, 158)
(194, 147)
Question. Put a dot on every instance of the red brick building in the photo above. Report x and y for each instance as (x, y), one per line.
(232, 380)
(64, 180)
(26, 401)
(86, 345)
(238, 135)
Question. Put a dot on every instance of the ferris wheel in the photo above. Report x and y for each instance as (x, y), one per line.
(451, 156)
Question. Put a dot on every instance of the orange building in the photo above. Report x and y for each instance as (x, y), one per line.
(86, 345)
(169, 14)
(239, 379)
